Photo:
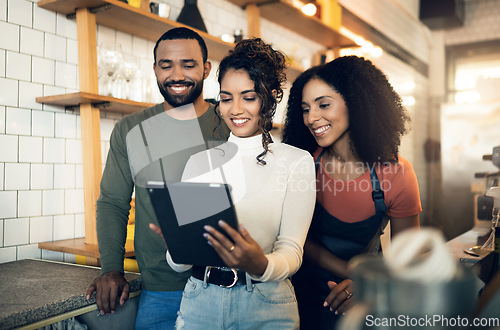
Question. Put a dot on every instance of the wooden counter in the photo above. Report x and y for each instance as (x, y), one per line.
(79, 247)
(474, 237)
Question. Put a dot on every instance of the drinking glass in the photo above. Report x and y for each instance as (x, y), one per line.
(127, 71)
(111, 58)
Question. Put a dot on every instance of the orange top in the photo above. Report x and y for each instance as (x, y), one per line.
(351, 201)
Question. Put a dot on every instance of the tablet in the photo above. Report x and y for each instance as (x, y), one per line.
(182, 209)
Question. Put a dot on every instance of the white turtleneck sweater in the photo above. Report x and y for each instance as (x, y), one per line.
(275, 201)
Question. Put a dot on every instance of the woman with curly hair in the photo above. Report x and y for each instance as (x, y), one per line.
(273, 190)
(348, 116)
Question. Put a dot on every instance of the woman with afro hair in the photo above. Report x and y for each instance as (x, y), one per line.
(348, 116)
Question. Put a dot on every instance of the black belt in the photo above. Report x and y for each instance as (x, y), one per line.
(221, 276)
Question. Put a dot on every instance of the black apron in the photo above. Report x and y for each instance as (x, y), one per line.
(344, 240)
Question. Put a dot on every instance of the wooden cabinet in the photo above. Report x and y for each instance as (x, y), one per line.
(135, 21)
(283, 13)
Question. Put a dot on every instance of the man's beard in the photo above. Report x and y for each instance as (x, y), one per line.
(180, 100)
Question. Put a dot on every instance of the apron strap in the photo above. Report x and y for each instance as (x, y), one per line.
(377, 193)
(375, 247)
(316, 163)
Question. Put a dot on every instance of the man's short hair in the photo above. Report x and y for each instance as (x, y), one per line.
(183, 33)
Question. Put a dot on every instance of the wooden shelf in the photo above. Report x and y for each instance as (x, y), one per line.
(79, 247)
(284, 14)
(138, 22)
(118, 15)
(104, 103)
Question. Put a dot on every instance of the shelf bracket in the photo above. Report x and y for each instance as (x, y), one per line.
(99, 105)
(72, 107)
(92, 10)
(104, 104)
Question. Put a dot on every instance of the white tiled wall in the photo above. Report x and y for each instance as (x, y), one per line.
(28, 251)
(17, 176)
(10, 36)
(42, 123)
(1, 234)
(17, 231)
(8, 254)
(9, 148)
(29, 203)
(41, 229)
(2, 166)
(31, 41)
(42, 176)
(9, 88)
(8, 204)
(18, 66)
(2, 119)
(41, 185)
(41, 190)
(2, 60)
(30, 149)
(64, 226)
(29, 91)
(53, 202)
(3, 10)
(20, 12)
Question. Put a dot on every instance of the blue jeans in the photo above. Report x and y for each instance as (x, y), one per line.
(269, 305)
(158, 309)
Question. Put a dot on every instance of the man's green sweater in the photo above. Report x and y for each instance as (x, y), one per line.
(149, 145)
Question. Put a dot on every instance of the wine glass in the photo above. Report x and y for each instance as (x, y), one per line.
(111, 59)
(127, 71)
(102, 78)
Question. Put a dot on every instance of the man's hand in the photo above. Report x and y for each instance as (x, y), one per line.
(107, 287)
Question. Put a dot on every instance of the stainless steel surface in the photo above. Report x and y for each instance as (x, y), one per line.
(386, 296)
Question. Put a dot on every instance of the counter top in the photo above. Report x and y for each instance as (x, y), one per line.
(474, 237)
(33, 290)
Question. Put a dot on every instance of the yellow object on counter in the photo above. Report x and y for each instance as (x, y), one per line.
(135, 3)
(130, 232)
(80, 260)
(131, 214)
(129, 264)
(143, 4)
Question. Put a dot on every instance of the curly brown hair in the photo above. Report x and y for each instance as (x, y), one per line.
(377, 118)
(266, 68)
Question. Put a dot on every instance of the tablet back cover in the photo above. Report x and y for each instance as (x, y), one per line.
(182, 209)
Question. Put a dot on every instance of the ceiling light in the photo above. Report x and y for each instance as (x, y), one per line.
(309, 9)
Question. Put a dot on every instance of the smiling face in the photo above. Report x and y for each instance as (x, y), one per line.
(239, 103)
(325, 113)
(180, 71)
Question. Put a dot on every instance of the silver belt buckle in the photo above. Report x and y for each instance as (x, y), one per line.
(235, 276)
